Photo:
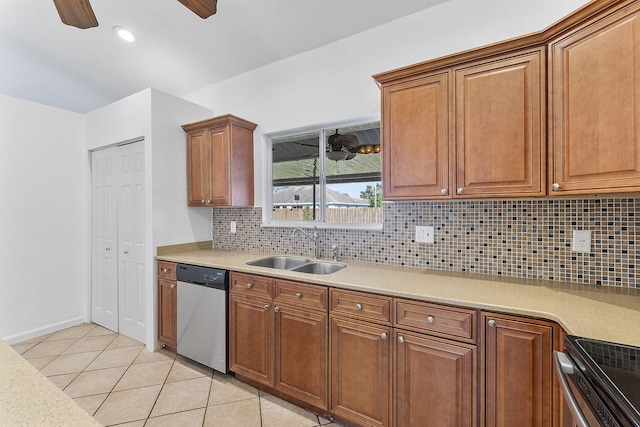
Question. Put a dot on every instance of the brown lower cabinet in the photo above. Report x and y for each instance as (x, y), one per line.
(167, 305)
(280, 342)
(435, 382)
(518, 379)
(361, 371)
(373, 360)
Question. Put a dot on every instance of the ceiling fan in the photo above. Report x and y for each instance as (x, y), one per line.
(78, 13)
(345, 147)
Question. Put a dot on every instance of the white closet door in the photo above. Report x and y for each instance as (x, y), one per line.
(131, 241)
(104, 245)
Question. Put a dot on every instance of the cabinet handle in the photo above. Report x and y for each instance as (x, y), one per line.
(276, 309)
(165, 270)
(266, 306)
(202, 201)
(383, 335)
(173, 286)
(208, 202)
(555, 186)
(126, 252)
(492, 323)
(298, 295)
(460, 190)
(358, 306)
(400, 339)
(249, 285)
(431, 320)
(444, 191)
(107, 249)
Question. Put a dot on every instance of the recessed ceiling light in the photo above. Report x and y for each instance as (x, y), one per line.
(125, 34)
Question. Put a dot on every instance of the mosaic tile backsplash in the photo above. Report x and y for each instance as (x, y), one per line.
(516, 238)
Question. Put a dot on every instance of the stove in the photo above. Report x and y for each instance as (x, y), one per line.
(607, 375)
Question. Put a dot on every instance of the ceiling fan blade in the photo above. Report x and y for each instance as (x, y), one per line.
(202, 8)
(77, 13)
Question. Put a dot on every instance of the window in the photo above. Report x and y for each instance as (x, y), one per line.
(341, 188)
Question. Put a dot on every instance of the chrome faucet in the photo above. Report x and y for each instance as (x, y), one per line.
(314, 239)
(334, 248)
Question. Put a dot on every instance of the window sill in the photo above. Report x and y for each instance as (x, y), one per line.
(321, 225)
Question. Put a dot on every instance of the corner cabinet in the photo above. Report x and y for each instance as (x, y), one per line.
(594, 80)
(471, 129)
(167, 305)
(220, 162)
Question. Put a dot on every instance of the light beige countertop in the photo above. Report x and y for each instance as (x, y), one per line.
(28, 398)
(600, 312)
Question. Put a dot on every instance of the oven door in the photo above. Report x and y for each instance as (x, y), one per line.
(576, 411)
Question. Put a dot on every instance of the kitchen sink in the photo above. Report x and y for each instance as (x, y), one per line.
(319, 267)
(279, 262)
(301, 265)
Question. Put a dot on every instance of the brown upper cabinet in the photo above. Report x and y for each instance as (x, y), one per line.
(220, 161)
(594, 90)
(474, 124)
(474, 129)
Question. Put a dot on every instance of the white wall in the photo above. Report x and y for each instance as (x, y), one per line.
(334, 83)
(43, 219)
(156, 117)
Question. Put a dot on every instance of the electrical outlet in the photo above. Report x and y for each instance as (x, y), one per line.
(581, 241)
(233, 227)
(424, 234)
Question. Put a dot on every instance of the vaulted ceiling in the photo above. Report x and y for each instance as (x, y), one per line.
(45, 61)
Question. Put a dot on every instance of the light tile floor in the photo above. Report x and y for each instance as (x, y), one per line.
(119, 382)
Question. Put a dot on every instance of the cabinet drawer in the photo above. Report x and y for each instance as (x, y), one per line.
(250, 284)
(167, 270)
(436, 319)
(300, 294)
(361, 304)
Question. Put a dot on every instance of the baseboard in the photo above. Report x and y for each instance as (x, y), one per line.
(13, 339)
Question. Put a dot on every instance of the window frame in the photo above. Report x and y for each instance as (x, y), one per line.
(267, 177)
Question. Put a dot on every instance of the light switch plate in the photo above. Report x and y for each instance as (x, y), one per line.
(581, 241)
(233, 227)
(424, 234)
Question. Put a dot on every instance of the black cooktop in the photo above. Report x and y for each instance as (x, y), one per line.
(613, 368)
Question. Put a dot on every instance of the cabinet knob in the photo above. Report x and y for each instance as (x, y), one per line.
(383, 335)
(249, 285)
(298, 295)
(208, 202)
(107, 249)
(202, 201)
(555, 186)
(431, 320)
(492, 323)
(126, 252)
(460, 190)
(276, 309)
(358, 306)
(266, 306)
(165, 270)
(173, 286)
(444, 191)
(400, 339)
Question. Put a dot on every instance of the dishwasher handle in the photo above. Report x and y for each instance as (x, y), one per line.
(565, 367)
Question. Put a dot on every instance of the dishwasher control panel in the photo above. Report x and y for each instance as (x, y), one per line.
(205, 276)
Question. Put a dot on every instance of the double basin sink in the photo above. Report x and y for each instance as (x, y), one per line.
(298, 264)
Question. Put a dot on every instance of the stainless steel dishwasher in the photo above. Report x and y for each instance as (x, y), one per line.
(202, 315)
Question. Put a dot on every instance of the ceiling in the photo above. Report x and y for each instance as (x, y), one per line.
(48, 62)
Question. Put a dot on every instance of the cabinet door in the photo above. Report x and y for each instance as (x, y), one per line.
(360, 372)
(518, 371)
(302, 354)
(251, 338)
(435, 382)
(500, 147)
(220, 170)
(167, 314)
(415, 138)
(595, 76)
(198, 167)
